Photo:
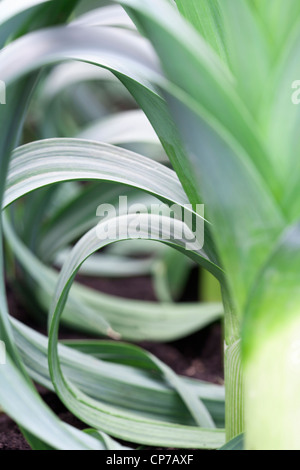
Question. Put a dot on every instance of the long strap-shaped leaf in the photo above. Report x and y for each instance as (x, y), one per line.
(121, 375)
(98, 313)
(246, 44)
(50, 161)
(206, 18)
(14, 15)
(244, 229)
(209, 81)
(281, 114)
(112, 15)
(128, 57)
(279, 20)
(127, 126)
(29, 411)
(70, 159)
(91, 411)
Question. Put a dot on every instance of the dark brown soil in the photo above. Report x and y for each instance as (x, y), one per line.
(10, 436)
(197, 356)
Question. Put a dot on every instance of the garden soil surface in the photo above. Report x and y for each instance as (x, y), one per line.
(198, 356)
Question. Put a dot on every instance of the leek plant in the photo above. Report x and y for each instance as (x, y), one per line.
(126, 393)
(230, 92)
(214, 79)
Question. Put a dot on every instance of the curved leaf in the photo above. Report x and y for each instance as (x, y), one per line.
(92, 412)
